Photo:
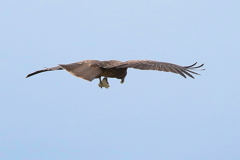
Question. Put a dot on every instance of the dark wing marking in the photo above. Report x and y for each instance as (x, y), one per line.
(44, 70)
(160, 66)
(87, 71)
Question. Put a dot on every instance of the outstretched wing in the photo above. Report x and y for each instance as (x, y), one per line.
(160, 66)
(87, 70)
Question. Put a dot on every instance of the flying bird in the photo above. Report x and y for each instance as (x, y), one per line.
(92, 69)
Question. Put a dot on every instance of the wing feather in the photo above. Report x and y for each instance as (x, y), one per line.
(44, 70)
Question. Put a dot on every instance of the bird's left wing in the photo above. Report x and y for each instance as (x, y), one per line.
(160, 66)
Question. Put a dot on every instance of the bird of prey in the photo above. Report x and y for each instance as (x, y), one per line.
(91, 69)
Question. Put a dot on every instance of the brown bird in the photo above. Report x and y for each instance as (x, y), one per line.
(91, 69)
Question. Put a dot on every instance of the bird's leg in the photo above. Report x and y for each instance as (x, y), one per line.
(122, 81)
(100, 83)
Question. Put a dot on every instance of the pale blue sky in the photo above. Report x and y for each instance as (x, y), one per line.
(153, 115)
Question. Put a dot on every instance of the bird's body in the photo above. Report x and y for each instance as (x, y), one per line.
(91, 69)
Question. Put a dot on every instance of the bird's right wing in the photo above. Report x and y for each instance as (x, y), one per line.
(87, 71)
(44, 70)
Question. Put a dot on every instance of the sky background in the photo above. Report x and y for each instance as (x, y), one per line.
(153, 115)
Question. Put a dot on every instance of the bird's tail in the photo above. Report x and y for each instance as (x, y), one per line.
(44, 70)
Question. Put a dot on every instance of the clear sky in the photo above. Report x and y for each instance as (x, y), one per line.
(153, 115)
